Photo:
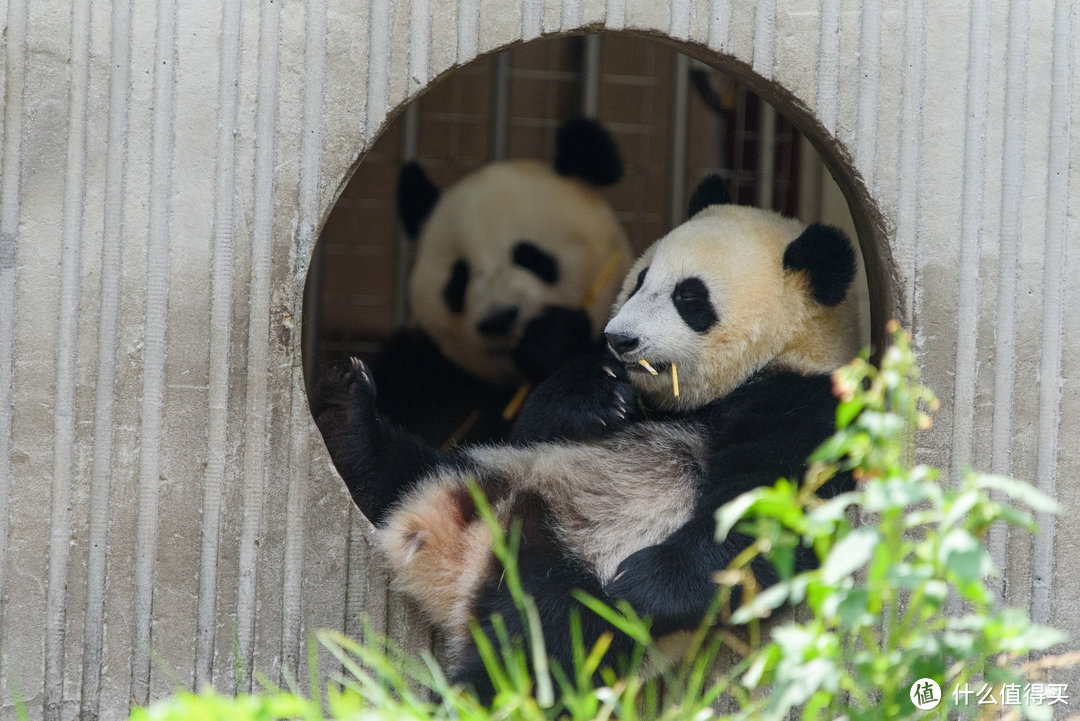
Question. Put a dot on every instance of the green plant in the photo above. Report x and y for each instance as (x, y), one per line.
(879, 619)
(877, 613)
(210, 706)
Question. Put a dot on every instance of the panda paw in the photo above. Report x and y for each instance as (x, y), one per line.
(585, 399)
(343, 395)
(663, 584)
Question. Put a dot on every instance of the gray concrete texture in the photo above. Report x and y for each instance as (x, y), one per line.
(170, 513)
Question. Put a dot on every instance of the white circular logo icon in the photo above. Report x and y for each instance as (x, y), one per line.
(925, 694)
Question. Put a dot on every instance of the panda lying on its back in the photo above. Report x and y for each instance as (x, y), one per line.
(752, 310)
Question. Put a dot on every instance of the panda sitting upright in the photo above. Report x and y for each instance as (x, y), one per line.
(515, 269)
(752, 310)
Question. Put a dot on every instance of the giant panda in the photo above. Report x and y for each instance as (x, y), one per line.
(753, 311)
(515, 268)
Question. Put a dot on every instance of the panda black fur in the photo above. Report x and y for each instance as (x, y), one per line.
(745, 304)
(515, 268)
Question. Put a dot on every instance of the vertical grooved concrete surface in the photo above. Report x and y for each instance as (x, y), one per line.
(169, 513)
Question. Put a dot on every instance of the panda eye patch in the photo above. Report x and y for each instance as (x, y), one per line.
(640, 281)
(691, 299)
(454, 290)
(540, 263)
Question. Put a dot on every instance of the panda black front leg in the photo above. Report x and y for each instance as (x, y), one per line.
(672, 581)
(377, 460)
(587, 398)
(551, 339)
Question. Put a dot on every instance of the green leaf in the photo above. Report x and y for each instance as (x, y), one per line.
(834, 448)
(957, 644)
(852, 609)
(883, 495)
(881, 425)
(734, 510)
(1038, 638)
(764, 602)
(961, 508)
(794, 689)
(963, 555)
(1038, 712)
(934, 594)
(1012, 630)
(545, 692)
(1019, 490)
(909, 576)
(621, 619)
(816, 705)
(850, 554)
(823, 519)
(782, 556)
(763, 662)
(1017, 517)
(846, 412)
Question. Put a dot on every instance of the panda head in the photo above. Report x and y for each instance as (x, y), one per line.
(508, 240)
(730, 292)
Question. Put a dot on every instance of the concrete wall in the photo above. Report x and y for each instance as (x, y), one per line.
(171, 514)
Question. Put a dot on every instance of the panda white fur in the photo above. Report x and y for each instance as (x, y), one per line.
(515, 269)
(753, 311)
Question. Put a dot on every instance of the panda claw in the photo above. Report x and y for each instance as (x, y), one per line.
(358, 378)
(345, 390)
(607, 369)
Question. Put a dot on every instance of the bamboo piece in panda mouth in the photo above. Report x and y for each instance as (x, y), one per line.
(645, 364)
(674, 379)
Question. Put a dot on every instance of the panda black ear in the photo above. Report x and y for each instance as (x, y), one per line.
(825, 254)
(586, 151)
(711, 191)
(416, 197)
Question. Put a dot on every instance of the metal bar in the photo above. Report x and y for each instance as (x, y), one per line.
(766, 146)
(680, 84)
(409, 145)
(500, 113)
(590, 81)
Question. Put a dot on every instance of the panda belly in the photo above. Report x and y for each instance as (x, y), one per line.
(609, 498)
(602, 499)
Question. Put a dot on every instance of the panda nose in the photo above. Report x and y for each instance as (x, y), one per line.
(621, 343)
(498, 322)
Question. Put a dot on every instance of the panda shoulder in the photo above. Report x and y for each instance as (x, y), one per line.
(775, 403)
(787, 389)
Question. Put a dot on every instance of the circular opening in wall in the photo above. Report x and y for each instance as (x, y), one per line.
(442, 329)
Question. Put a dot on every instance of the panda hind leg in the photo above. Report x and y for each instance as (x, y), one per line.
(549, 575)
(377, 460)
